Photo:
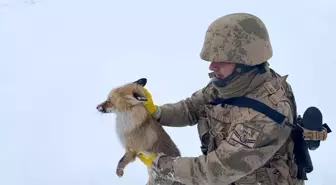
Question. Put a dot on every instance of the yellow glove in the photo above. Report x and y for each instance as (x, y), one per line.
(149, 105)
(147, 160)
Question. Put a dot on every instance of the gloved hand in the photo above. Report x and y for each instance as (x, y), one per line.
(152, 109)
(147, 160)
(149, 104)
(162, 165)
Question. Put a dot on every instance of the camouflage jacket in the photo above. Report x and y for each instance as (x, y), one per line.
(249, 147)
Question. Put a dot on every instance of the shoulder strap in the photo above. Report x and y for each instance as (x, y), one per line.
(276, 116)
(246, 102)
(303, 159)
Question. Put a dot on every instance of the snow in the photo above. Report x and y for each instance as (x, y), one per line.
(59, 59)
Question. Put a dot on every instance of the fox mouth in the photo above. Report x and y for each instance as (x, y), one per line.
(104, 110)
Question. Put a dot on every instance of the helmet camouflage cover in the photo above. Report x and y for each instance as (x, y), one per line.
(239, 38)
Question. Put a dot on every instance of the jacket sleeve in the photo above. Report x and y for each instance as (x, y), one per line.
(184, 112)
(234, 159)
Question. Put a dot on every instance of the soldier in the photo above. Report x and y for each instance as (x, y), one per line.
(240, 145)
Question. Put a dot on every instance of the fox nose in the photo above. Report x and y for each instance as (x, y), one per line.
(100, 109)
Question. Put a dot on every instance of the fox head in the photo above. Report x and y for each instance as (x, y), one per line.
(124, 98)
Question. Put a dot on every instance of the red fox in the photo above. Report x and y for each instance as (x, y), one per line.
(137, 131)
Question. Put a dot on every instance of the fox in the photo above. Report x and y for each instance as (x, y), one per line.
(138, 132)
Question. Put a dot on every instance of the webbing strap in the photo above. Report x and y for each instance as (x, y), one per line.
(246, 102)
(279, 118)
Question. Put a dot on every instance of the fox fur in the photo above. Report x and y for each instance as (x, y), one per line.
(136, 129)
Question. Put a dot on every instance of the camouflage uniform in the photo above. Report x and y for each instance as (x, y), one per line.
(246, 146)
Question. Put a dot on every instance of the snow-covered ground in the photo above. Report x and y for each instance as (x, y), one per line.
(59, 58)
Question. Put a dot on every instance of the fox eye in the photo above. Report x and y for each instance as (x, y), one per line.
(139, 97)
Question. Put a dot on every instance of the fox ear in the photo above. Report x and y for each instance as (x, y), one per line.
(141, 81)
(139, 97)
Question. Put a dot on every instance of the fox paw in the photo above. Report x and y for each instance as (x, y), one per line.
(120, 172)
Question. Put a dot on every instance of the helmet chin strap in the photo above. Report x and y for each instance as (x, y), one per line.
(238, 70)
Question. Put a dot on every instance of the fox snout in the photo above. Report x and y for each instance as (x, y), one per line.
(105, 107)
(101, 109)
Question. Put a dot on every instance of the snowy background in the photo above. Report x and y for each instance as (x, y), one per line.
(60, 58)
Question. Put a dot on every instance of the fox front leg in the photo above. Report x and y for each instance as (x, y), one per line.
(128, 157)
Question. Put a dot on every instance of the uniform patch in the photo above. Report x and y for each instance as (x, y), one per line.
(244, 136)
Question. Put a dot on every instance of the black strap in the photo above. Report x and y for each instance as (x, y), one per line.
(302, 156)
(246, 102)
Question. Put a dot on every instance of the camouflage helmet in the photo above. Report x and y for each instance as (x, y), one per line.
(239, 38)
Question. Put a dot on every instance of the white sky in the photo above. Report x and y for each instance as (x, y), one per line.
(60, 58)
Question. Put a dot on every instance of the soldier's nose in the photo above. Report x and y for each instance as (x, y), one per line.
(212, 66)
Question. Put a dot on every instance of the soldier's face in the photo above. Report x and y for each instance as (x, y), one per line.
(222, 69)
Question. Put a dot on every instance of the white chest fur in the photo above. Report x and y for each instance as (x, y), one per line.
(123, 125)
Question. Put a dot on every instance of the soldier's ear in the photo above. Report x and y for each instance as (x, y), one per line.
(139, 97)
(141, 81)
